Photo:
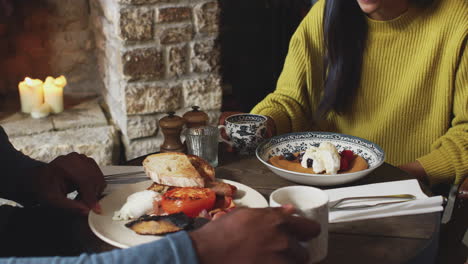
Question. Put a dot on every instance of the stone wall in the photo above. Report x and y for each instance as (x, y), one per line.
(40, 38)
(156, 56)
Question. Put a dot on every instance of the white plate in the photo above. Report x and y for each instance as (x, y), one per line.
(115, 232)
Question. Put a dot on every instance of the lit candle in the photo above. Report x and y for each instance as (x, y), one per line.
(53, 93)
(31, 94)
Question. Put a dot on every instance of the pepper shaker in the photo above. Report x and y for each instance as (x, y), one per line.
(171, 126)
(195, 118)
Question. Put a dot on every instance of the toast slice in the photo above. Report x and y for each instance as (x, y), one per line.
(172, 169)
(203, 167)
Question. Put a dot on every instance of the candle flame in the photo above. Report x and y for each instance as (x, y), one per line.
(28, 81)
(32, 82)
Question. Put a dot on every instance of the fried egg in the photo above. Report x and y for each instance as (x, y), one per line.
(137, 204)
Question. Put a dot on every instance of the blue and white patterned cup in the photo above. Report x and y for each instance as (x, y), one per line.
(245, 131)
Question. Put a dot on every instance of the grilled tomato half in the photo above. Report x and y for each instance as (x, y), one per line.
(189, 200)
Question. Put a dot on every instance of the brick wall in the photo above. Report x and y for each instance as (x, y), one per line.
(156, 56)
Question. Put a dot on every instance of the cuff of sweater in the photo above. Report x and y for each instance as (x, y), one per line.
(282, 121)
(182, 246)
(436, 167)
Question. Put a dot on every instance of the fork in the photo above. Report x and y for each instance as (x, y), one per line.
(334, 204)
(124, 174)
(127, 180)
(126, 177)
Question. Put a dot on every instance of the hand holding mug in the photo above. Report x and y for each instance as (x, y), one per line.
(255, 235)
(311, 203)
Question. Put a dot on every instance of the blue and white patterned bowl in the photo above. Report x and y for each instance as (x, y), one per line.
(296, 142)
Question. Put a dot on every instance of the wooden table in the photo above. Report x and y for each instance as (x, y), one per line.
(402, 239)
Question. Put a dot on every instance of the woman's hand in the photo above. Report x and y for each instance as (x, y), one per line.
(51, 183)
(254, 235)
(222, 121)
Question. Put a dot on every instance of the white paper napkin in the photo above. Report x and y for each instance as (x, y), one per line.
(107, 170)
(9, 203)
(423, 203)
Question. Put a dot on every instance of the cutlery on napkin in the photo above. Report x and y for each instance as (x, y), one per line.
(421, 204)
(379, 200)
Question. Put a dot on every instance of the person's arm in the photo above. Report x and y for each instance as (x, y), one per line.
(448, 160)
(173, 249)
(13, 165)
(245, 235)
(291, 103)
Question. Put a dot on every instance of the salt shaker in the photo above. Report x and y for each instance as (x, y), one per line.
(195, 118)
(171, 126)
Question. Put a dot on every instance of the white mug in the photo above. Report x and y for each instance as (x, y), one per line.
(311, 203)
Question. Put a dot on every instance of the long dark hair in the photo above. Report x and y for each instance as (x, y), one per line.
(345, 31)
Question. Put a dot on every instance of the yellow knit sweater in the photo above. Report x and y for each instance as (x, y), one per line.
(413, 96)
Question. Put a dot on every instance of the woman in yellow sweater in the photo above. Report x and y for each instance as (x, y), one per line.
(392, 71)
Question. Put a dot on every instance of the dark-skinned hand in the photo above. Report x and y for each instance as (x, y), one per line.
(271, 127)
(51, 183)
(255, 235)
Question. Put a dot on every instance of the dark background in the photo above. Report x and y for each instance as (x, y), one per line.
(254, 40)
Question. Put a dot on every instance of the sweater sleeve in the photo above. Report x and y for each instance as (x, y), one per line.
(12, 165)
(173, 249)
(289, 105)
(448, 160)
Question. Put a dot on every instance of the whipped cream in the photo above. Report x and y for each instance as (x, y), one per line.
(326, 158)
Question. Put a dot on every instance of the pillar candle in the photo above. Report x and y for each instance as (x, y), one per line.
(31, 94)
(53, 93)
(41, 111)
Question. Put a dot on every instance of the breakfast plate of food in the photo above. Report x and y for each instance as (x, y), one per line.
(320, 158)
(181, 193)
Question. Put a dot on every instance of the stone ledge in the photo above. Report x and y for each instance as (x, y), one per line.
(20, 124)
(96, 142)
(86, 114)
(82, 128)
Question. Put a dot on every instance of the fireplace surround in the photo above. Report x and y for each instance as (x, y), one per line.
(143, 58)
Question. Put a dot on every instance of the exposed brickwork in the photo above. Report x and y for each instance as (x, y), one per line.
(206, 56)
(178, 58)
(143, 64)
(177, 35)
(150, 98)
(136, 24)
(207, 17)
(204, 91)
(174, 14)
(170, 63)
